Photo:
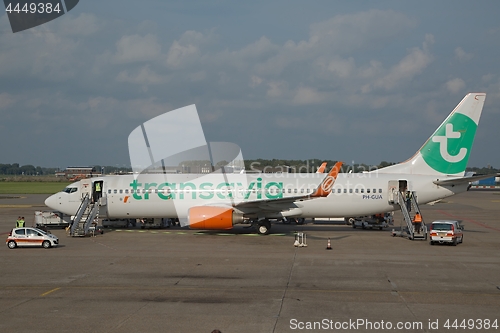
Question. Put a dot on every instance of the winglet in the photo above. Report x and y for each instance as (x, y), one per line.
(321, 168)
(326, 185)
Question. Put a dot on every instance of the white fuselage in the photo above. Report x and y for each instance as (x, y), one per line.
(160, 195)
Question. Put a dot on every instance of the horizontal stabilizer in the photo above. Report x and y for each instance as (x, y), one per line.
(463, 180)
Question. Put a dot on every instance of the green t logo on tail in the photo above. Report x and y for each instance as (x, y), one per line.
(449, 148)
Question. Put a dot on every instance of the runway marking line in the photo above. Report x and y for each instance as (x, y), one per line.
(50, 291)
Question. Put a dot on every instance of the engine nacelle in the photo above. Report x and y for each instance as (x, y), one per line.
(213, 218)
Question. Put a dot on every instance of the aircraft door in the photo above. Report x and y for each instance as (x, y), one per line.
(97, 190)
(85, 187)
(392, 192)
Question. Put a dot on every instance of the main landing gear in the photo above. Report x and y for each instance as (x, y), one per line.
(262, 226)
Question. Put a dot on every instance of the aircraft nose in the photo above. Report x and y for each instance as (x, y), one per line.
(52, 201)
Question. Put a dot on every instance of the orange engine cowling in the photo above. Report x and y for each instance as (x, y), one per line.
(213, 218)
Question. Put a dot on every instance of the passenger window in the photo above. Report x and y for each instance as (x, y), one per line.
(379, 190)
(345, 190)
(115, 191)
(121, 191)
(289, 190)
(339, 190)
(109, 191)
(350, 190)
(295, 191)
(362, 190)
(126, 190)
(356, 190)
(374, 190)
(301, 190)
(21, 232)
(367, 190)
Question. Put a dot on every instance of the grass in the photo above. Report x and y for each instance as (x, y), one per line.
(32, 187)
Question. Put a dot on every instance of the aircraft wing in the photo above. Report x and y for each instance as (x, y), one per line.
(463, 180)
(323, 190)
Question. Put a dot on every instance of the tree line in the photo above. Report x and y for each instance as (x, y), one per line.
(299, 166)
(28, 170)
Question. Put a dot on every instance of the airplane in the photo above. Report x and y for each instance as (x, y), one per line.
(209, 202)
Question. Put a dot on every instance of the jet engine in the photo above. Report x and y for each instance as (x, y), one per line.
(213, 217)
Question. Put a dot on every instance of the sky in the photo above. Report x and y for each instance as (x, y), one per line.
(362, 81)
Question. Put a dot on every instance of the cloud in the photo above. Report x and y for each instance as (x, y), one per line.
(412, 64)
(359, 30)
(276, 89)
(137, 48)
(307, 95)
(342, 68)
(455, 85)
(6, 100)
(144, 76)
(84, 24)
(462, 56)
(184, 50)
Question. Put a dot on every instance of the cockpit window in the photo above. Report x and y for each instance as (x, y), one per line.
(70, 189)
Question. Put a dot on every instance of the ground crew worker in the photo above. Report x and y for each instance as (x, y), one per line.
(408, 201)
(18, 222)
(417, 222)
(21, 222)
(97, 191)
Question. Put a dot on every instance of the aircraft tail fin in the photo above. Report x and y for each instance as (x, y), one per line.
(447, 151)
(321, 168)
(325, 188)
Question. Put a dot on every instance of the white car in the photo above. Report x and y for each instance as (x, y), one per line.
(30, 237)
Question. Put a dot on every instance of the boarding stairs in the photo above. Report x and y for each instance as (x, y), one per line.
(85, 215)
(408, 216)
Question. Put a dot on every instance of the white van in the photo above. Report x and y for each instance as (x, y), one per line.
(446, 231)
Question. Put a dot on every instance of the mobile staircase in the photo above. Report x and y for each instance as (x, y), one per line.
(407, 217)
(85, 215)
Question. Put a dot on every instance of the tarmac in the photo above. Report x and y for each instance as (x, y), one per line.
(179, 280)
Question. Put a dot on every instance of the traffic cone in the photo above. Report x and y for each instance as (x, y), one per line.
(329, 246)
